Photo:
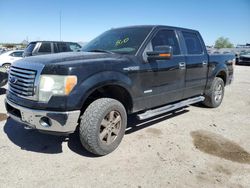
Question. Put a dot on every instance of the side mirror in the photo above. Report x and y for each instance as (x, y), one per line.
(160, 53)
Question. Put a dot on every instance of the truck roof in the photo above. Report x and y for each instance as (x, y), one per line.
(155, 26)
(51, 41)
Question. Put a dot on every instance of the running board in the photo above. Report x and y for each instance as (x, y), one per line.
(168, 108)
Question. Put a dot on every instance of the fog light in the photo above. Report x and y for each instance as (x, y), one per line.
(45, 122)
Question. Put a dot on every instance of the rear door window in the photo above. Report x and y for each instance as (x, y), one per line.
(62, 47)
(45, 48)
(55, 48)
(193, 43)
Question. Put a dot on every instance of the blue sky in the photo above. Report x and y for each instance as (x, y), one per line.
(83, 20)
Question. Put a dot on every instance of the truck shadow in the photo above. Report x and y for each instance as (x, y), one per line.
(33, 140)
(133, 125)
(199, 105)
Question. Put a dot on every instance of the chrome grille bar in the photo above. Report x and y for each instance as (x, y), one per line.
(21, 81)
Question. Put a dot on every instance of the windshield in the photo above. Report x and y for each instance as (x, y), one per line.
(30, 47)
(123, 40)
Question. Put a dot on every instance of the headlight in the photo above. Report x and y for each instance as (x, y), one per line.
(55, 85)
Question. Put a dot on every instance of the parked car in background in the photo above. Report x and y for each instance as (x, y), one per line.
(50, 47)
(244, 58)
(2, 50)
(3, 77)
(7, 58)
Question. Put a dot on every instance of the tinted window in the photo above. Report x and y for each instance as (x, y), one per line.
(55, 48)
(62, 47)
(74, 47)
(30, 47)
(45, 48)
(193, 43)
(122, 40)
(166, 37)
(17, 54)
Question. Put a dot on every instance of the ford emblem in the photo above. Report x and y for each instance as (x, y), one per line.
(13, 79)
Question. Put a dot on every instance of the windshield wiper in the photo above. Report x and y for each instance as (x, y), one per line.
(100, 50)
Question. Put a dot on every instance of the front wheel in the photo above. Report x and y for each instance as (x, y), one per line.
(214, 96)
(102, 126)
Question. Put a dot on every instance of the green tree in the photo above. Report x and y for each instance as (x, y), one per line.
(223, 43)
(9, 45)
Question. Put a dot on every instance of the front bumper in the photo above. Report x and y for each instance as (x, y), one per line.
(46, 121)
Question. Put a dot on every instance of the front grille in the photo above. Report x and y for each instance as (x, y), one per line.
(21, 81)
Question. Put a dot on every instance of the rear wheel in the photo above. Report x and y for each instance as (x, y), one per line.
(214, 96)
(102, 126)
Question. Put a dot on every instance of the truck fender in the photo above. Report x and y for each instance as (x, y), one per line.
(217, 70)
(88, 86)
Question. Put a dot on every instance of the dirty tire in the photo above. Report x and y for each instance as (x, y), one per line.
(214, 96)
(97, 114)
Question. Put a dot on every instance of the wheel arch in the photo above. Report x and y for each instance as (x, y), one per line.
(108, 85)
(109, 90)
(6, 63)
(223, 75)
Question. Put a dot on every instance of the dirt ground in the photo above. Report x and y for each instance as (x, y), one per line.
(196, 147)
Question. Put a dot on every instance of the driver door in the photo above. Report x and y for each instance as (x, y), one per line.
(163, 81)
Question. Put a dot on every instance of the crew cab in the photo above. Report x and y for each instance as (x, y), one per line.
(141, 70)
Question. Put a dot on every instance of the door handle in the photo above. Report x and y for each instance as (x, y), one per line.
(182, 65)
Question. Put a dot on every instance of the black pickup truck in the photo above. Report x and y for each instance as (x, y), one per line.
(141, 70)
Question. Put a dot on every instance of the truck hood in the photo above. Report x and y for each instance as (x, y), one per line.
(67, 56)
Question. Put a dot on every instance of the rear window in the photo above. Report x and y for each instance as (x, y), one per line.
(30, 47)
(45, 48)
(74, 47)
(193, 43)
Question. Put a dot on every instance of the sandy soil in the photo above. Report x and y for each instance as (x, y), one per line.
(196, 147)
